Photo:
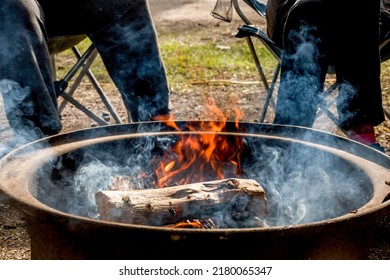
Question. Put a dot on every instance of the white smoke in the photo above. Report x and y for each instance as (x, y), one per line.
(302, 184)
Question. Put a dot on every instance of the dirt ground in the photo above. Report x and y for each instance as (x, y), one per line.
(178, 16)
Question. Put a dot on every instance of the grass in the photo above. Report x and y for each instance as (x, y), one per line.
(205, 60)
(188, 60)
(197, 57)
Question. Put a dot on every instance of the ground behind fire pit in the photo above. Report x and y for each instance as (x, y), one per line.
(182, 17)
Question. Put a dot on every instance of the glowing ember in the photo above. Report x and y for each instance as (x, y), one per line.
(196, 157)
(196, 223)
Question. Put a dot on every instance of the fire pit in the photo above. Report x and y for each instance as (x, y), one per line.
(325, 194)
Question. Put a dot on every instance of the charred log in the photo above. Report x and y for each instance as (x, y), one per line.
(227, 203)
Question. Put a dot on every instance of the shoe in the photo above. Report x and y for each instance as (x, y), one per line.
(364, 134)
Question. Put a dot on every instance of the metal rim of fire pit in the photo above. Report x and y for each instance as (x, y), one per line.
(375, 163)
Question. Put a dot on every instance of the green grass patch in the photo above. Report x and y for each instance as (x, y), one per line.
(190, 58)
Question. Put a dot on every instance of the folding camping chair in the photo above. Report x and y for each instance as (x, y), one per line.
(248, 31)
(81, 68)
(224, 10)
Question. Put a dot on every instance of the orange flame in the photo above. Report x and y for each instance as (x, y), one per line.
(195, 157)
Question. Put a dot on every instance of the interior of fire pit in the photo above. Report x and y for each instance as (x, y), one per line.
(303, 183)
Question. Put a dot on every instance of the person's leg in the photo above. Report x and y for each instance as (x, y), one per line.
(130, 52)
(304, 62)
(25, 75)
(358, 68)
(124, 35)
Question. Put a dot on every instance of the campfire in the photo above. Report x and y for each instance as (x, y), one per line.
(202, 156)
(181, 194)
(282, 192)
(213, 173)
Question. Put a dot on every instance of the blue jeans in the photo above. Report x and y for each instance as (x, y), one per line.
(316, 34)
(121, 30)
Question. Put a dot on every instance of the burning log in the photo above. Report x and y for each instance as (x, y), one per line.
(206, 224)
(227, 203)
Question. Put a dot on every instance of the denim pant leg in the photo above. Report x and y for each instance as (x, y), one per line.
(25, 71)
(130, 52)
(304, 63)
(341, 38)
(358, 64)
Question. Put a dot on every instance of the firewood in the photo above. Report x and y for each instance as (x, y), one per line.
(206, 224)
(228, 203)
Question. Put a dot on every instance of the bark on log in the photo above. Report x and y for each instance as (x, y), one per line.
(229, 203)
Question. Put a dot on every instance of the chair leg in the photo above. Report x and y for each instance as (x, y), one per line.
(99, 89)
(325, 105)
(84, 62)
(269, 99)
(269, 89)
(63, 83)
(83, 109)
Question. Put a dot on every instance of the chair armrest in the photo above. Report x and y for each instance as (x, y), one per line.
(258, 6)
(251, 30)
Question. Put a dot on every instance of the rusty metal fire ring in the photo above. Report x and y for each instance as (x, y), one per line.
(56, 234)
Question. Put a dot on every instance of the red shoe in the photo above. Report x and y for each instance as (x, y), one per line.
(364, 134)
